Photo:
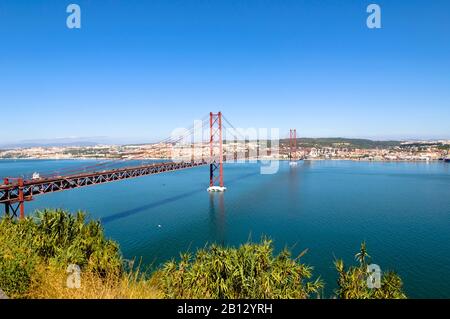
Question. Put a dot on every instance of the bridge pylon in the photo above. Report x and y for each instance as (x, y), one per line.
(17, 206)
(293, 147)
(215, 153)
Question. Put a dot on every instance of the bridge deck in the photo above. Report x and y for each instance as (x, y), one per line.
(10, 193)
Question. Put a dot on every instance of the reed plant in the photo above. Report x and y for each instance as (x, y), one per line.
(352, 282)
(250, 271)
(53, 238)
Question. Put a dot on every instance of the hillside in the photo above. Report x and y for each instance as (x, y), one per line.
(342, 142)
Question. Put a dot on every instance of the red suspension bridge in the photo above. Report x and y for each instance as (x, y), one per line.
(15, 191)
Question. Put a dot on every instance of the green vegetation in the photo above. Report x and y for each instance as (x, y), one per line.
(352, 283)
(56, 239)
(35, 253)
(250, 271)
(445, 147)
(340, 142)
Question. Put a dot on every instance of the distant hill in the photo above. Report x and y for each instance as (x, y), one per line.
(342, 142)
(47, 144)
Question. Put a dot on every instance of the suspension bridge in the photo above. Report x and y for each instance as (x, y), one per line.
(15, 191)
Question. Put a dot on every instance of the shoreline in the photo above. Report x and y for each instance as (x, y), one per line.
(274, 159)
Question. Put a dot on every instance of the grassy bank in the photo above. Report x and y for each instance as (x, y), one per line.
(35, 254)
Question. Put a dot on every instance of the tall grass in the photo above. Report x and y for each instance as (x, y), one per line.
(250, 271)
(50, 283)
(352, 282)
(53, 238)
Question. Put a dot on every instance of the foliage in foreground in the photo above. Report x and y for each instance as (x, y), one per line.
(52, 238)
(250, 271)
(352, 283)
(35, 252)
(50, 283)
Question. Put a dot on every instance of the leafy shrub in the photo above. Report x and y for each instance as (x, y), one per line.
(52, 237)
(352, 283)
(250, 271)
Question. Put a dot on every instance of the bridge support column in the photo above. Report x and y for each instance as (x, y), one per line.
(11, 210)
(216, 160)
(7, 204)
(293, 147)
(16, 206)
(21, 199)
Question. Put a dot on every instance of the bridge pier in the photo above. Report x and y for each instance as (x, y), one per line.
(216, 164)
(20, 201)
(16, 209)
(9, 208)
(293, 147)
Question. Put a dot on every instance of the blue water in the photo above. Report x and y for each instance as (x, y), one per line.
(402, 211)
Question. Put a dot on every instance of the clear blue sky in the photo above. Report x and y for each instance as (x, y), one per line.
(138, 69)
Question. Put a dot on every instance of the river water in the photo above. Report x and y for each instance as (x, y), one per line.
(401, 210)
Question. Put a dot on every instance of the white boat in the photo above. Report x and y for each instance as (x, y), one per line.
(36, 176)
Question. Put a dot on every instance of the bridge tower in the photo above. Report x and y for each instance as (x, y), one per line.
(17, 206)
(293, 147)
(216, 153)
